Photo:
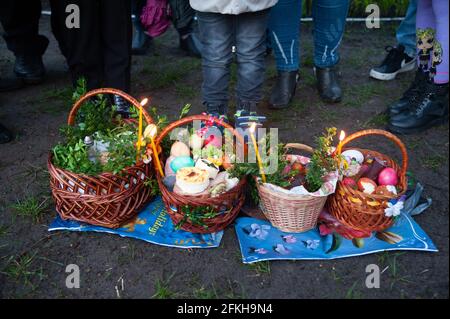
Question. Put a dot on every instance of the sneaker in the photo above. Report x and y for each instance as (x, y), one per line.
(244, 119)
(396, 61)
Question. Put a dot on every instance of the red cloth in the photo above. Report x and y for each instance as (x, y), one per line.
(155, 17)
(328, 225)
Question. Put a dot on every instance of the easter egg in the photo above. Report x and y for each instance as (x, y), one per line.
(214, 140)
(168, 169)
(196, 142)
(388, 176)
(179, 149)
(350, 182)
(181, 162)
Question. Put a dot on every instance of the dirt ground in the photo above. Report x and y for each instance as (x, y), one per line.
(33, 261)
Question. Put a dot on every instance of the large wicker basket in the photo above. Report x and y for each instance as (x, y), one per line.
(230, 201)
(107, 200)
(362, 211)
(291, 213)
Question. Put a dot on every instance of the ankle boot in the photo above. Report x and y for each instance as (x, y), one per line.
(410, 95)
(141, 42)
(284, 89)
(428, 110)
(327, 84)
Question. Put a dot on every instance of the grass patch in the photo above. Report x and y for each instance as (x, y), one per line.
(4, 230)
(21, 268)
(357, 95)
(353, 293)
(55, 100)
(185, 91)
(379, 120)
(261, 268)
(205, 293)
(433, 162)
(31, 207)
(163, 290)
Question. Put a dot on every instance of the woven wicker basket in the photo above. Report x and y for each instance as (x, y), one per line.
(107, 200)
(230, 201)
(291, 213)
(362, 211)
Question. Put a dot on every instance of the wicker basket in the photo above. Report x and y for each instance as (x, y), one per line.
(107, 199)
(230, 201)
(362, 211)
(291, 213)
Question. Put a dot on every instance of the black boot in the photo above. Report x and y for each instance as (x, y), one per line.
(141, 42)
(123, 107)
(30, 68)
(327, 84)
(284, 89)
(5, 135)
(428, 110)
(410, 95)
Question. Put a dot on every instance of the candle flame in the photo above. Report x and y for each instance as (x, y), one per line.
(252, 128)
(144, 102)
(342, 136)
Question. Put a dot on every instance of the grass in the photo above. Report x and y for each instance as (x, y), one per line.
(205, 293)
(4, 230)
(353, 293)
(164, 73)
(433, 162)
(185, 91)
(55, 100)
(31, 207)
(389, 261)
(21, 268)
(261, 268)
(163, 290)
(356, 96)
(377, 121)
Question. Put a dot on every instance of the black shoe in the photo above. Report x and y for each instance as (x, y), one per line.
(10, 84)
(122, 106)
(410, 95)
(246, 116)
(29, 68)
(5, 135)
(327, 84)
(284, 89)
(395, 62)
(191, 45)
(429, 110)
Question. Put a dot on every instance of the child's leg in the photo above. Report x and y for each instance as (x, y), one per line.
(440, 9)
(424, 20)
(217, 34)
(329, 24)
(250, 51)
(284, 32)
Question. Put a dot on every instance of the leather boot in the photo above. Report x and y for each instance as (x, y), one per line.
(327, 84)
(410, 95)
(429, 110)
(284, 89)
(30, 68)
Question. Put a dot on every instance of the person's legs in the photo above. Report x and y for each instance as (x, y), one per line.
(284, 32)
(217, 36)
(20, 20)
(329, 24)
(430, 107)
(406, 31)
(141, 41)
(116, 33)
(81, 47)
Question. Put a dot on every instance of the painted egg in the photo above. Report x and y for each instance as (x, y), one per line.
(168, 169)
(388, 176)
(196, 142)
(180, 162)
(214, 140)
(349, 155)
(179, 149)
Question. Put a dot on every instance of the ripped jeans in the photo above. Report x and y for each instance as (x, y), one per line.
(284, 30)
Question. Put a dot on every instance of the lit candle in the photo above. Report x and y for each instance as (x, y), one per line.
(258, 157)
(152, 130)
(339, 148)
(139, 141)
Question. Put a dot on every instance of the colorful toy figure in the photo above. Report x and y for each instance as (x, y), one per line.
(436, 59)
(425, 42)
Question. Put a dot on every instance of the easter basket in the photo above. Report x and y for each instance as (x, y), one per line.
(107, 199)
(222, 208)
(362, 211)
(288, 212)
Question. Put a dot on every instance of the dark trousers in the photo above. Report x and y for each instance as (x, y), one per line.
(20, 20)
(100, 50)
(218, 33)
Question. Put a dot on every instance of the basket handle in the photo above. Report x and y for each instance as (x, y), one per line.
(188, 119)
(129, 98)
(386, 134)
(299, 146)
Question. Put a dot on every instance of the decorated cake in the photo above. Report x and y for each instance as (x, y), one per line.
(192, 180)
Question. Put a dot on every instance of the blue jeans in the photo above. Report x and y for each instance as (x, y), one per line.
(406, 32)
(284, 28)
(218, 33)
